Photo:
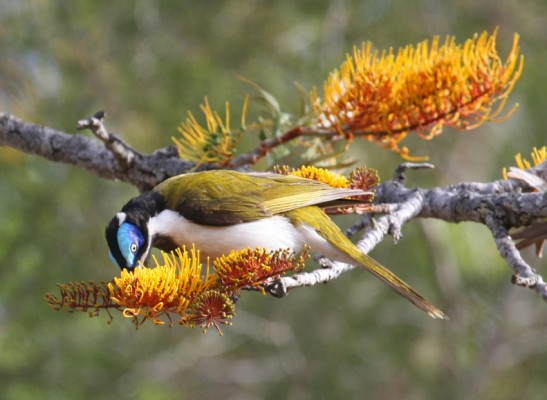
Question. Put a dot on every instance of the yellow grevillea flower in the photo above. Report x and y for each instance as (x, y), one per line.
(384, 96)
(317, 174)
(167, 288)
(534, 181)
(213, 143)
(536, 233)
(538, 156)
(363, 178)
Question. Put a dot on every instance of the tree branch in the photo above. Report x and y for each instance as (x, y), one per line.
(143, 170)
(499, 205)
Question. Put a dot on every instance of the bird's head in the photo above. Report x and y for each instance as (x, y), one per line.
(128, 240)
(131, 233)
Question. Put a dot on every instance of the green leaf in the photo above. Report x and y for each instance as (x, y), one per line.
(265, 97)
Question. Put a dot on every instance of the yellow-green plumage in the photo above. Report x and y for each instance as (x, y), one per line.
(248, 196)
(223, 209)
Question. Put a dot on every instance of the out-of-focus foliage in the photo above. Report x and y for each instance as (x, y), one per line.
(147, 63)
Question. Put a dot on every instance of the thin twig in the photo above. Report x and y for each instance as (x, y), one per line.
(265, 147)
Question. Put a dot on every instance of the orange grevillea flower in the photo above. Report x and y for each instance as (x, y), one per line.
(364, 178)
(253, 267)
(384, 96)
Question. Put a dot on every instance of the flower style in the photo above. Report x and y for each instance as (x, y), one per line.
(383, 97)
(538, 156)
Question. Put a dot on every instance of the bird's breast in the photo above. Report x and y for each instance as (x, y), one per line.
(271, 233)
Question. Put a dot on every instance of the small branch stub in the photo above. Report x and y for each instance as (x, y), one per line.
(121, 150)
(402, 168)
(95, 124)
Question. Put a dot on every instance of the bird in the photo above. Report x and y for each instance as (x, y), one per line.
(223, 210)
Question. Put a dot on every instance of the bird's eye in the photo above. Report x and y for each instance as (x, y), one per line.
(133, 247)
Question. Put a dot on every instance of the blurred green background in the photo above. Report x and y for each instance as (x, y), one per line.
(146, 63)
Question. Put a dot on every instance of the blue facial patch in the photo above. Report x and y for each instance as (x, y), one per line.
(130, 241)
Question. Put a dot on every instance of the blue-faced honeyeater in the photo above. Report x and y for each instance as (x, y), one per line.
(222, 210)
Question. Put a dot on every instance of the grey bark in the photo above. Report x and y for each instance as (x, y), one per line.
(143, 171)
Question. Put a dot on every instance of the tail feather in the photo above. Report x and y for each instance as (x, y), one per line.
(385, 275)
(399, 286)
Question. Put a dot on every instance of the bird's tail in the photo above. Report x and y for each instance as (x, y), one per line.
(388, 277)
(315, 218)
(397, 284)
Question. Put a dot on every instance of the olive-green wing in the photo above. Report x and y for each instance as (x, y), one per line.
(228, 197)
